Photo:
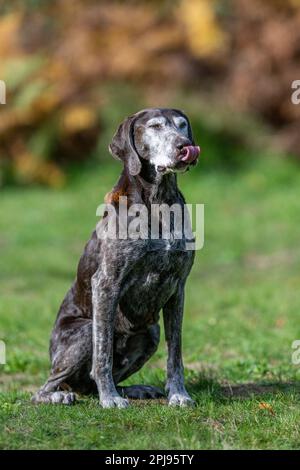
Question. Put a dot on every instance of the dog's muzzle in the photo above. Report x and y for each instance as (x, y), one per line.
(187, 156)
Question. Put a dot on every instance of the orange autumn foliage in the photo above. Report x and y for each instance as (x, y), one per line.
(56, 57)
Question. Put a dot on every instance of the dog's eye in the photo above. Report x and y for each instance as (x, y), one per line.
(156, 126)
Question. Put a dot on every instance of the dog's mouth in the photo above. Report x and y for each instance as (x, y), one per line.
(189, 153)
(188, 156)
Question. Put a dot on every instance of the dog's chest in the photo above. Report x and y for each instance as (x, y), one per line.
(152, 282)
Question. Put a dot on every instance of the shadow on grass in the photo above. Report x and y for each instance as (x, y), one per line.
(202, 383)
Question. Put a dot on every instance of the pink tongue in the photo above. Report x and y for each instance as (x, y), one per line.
(190, 153)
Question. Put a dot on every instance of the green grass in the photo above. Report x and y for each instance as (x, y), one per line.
(241, 316)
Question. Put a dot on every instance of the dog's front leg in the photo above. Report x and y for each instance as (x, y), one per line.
(105, 302)
(173, 313)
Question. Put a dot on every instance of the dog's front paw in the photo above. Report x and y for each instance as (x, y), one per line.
(181, 399)
(114, 402)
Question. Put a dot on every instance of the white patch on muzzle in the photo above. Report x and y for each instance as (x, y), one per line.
(161, 137)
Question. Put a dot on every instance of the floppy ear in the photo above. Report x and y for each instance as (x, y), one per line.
(122, 146)
(190, 134)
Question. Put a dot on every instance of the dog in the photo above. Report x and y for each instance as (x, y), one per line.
(108, 324)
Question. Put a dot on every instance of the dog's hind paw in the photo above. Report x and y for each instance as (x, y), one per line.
(54, 398)
(141, 392)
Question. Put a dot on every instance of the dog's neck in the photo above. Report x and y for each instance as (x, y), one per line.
(156, 187)
(148, 187)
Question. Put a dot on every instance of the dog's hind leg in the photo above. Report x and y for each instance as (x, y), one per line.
(138, 351)
(71, 363)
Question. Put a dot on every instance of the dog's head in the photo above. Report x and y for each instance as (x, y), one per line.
(163, 137)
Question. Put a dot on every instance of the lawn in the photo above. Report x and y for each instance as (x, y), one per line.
(241, 316)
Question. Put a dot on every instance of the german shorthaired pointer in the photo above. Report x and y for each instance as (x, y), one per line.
(107, 326)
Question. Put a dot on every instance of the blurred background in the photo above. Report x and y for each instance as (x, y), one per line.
(73, 70)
